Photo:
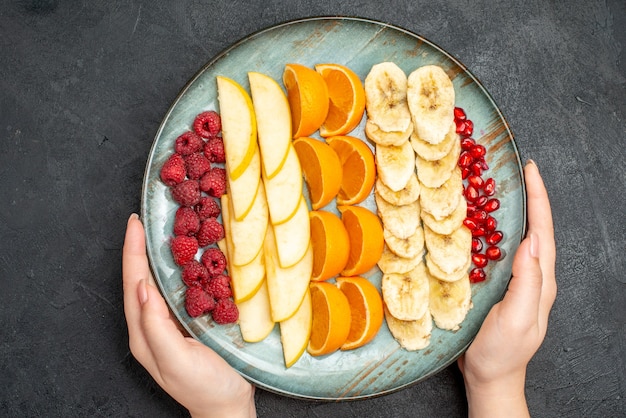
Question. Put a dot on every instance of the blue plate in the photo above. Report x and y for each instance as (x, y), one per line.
(381, 366)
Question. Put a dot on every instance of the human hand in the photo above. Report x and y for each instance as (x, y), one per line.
(189, 371)
(494, 366)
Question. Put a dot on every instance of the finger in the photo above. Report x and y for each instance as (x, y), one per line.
(540, 223)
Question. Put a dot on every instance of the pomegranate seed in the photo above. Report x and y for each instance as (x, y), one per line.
(490, 186)
(491, 224)
(484, 165)
(493, 253)
(479, 231)
(480, 216)
(467, 143)
(459, 114)
(465, 172)
(494, 238)
(470, 224)
(470, 213)
(471, 207)
(477, 275)
(480, 260)
(465, 159)
(476, 181)
(460, 126)
(477, 168)
(469, 128)
(478, 151)
(481, 201)
(471, 193)
(492, 205)
(477, 245)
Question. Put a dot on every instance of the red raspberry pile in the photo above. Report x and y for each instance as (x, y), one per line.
(479, 191)
(196, 185)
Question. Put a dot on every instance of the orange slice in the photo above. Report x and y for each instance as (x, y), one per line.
(365, 233)
(331, 318)
(347, 99)
(331, 245)
(321, 168)
(366, 310)
(308, 98)
(358, 167)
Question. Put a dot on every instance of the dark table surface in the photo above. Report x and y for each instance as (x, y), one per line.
(84, 86)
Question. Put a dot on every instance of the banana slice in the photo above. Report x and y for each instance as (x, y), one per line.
(435, 173)
(449, 252)
(430, 96)
(406, 295)
(450, 302)
(401, 221)
(411, 335)
(389, 262)
(410, 247)
(450, 223)
(436, 271)
(441, 201)
(380, 137)
(395, 165)
(385, 97)
(409, 194)
(431, 152)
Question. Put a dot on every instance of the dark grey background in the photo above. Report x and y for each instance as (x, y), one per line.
(84, 85)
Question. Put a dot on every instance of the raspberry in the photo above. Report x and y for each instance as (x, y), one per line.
(214, 260)
(214, 182)
(174, 170)
(225, 312)
(197, 301)
(187, 193)
(188, 143)
(195, 273)
(218, 286)
(197, 164)
(207, 208)
(210, 232)
(214, 150)
(207, 124)
(184, 249)
(186, 221)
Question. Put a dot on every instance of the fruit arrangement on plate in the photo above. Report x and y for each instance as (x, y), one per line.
(256, 247)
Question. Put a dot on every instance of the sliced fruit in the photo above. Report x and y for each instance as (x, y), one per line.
(248, 233)
(435, 173)
(380, 137)
(449, 252)
(385, 97)
(366, 310)
(395, 165)
(308, 98)
(331, 318)
(255, 321)
(450, 223)
(243, 189)
(331, 245)
(410, 247)
(409, 194)
(284, 190)
(321, 168)
(286, 286)
(245, 279)
(430, 95)
(358, 167)
(450, 302)
(406, 295)
(401, 221)
(452, 276)
(391, 262)
(365, 233)
(293, 237)
(295, 332)
(347, 99)
(238, 125)
(273, 121)
(433, 152)
(412, 335)
(441, 201)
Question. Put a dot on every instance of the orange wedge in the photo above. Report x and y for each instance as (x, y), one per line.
(358, 167)
(308, 99)
(365, 233)
(321, 168)
(331, 318)
(347, 99)
(331, 245)
(366, 308)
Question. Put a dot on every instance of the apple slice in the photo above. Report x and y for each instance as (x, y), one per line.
(273, 121)
(294, 236)
(238, 125)
(243, 189)
(245, 279)
(248, 234)
(286, 286)
(295, 332)
(255, 321)
(284, 190)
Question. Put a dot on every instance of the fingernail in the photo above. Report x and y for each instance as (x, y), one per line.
(534, 245)
(133, 216)
(530, 161)
(142, 291)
